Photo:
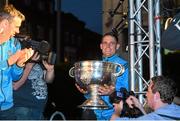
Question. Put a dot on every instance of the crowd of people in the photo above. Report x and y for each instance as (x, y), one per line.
(24, 78)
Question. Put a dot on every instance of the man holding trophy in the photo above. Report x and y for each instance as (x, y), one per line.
(109, 45)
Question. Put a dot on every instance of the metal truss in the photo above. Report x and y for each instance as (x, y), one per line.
(144, 44)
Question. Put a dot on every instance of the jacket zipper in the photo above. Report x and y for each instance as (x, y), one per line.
(1, 80)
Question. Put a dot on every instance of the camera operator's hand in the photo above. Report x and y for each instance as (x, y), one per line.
(26, 55)
(118, 107)
(134, 102)
(106, 89)
(49, 71)
(48, 67)
(81, 89)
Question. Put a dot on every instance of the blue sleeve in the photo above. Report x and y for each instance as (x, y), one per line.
(16, 72)
(87, 95)
(14, 45)
(3, 65)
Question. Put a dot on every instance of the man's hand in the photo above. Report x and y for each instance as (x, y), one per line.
(81, 90)
(134, 102)
(13, 58)
(106, 90)
(26, 54)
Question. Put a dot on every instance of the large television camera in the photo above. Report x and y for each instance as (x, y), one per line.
(42, 47)
(123, 94)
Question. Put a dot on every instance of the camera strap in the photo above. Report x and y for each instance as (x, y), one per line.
(170, 117)
(33, 61)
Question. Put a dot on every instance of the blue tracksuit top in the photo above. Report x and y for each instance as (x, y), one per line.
(8, 73)
(122, 81)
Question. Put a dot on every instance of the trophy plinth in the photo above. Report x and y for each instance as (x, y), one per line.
(95, 101)
(92, 74)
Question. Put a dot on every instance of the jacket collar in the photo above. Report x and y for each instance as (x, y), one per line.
(109, 58)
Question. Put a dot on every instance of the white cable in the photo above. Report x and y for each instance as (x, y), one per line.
(57, 113)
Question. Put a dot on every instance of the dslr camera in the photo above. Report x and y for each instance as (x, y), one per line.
(42, 47)
(122, 95)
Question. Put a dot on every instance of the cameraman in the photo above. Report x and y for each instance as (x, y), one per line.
(160, 95)
(30, 92)
(12, 58)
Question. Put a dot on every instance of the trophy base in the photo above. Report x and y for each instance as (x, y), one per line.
(91, 104)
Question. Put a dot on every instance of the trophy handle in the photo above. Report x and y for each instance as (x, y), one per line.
(121, 71)
(71, 72)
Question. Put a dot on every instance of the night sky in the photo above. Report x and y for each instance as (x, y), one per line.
(89, 11)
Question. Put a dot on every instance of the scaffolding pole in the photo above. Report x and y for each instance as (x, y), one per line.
(144, 44)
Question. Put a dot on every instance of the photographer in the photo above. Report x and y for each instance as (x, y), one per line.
(160, 95)
(30, 92)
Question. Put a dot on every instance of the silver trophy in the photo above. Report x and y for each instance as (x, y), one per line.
(91, 74)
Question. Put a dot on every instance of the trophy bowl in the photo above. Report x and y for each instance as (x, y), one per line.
(91, 74)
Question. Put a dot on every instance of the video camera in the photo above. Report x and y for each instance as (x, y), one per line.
(42, 47)
(123, 94)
